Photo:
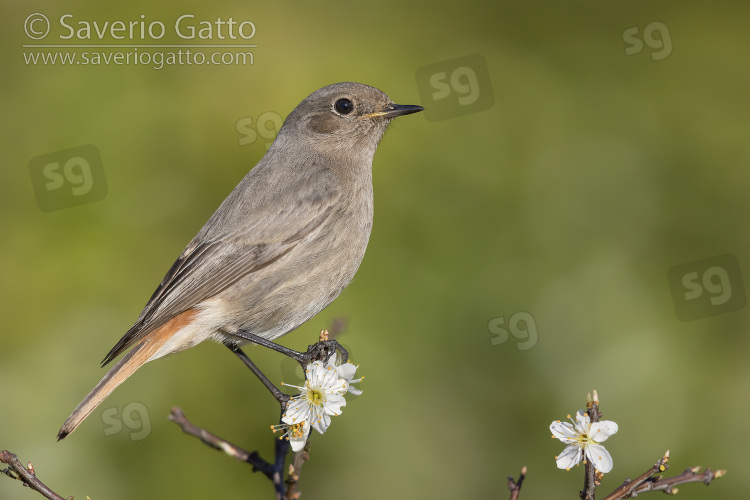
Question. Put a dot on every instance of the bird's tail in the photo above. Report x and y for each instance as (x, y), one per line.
(137, 357)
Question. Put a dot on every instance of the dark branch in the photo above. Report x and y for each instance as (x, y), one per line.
(281, 450)
(591, 479)
(690, 475)
(629, 488)
(26, 475)
(295, 467)
(646, 481)
(253, 458)
(515, 486)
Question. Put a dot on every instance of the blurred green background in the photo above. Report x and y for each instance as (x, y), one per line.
(590, 176)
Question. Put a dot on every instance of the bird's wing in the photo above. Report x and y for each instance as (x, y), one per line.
(218, 257)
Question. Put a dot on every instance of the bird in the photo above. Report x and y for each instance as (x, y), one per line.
(279, 249)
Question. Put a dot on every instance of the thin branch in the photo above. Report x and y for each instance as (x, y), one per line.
(646, 481)
(273, 471)
(295, 467)
(515, 486)
(281, 450)
(630, 488)
(690, 475)
(253, 458)
(591, 479)
(26, 475)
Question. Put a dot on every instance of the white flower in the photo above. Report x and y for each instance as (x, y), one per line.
(584, 438)
(321, 397)
(296, 434)
(346, 371)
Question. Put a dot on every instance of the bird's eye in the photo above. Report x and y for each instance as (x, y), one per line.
(344, 106)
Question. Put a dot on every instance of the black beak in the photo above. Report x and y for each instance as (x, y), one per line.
(395, 110)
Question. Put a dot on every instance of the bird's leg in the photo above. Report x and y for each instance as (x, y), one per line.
(319, 351)
(280, 396)
(255, 339)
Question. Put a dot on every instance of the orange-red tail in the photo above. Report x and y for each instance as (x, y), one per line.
(124, 368)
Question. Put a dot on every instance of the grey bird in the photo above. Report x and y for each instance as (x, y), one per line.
(281, 247)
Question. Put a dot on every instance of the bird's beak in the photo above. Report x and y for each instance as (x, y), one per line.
(395, 110)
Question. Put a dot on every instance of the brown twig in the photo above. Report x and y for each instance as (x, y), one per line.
(591, 480)
(26, 475)
(295, 467)
(646, 481)
(690, 475)
(629, 488)
(252, 457)
(515, 486)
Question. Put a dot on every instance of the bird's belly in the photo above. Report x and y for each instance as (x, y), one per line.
(279, 298)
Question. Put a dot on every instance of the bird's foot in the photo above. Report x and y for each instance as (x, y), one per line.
(321, 351)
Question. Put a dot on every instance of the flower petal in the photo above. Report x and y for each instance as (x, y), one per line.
(600, 457)
(347, 371)
(297, 411)
(562, 431)
(335, 359)
(321, 423)
(316, 374)
(299, 442)
(583, 421)
(334, 409)
(569, 457)
(330, 377)
(340, 386)
(600, 431)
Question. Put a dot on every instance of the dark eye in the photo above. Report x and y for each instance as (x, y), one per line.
(344, 106)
